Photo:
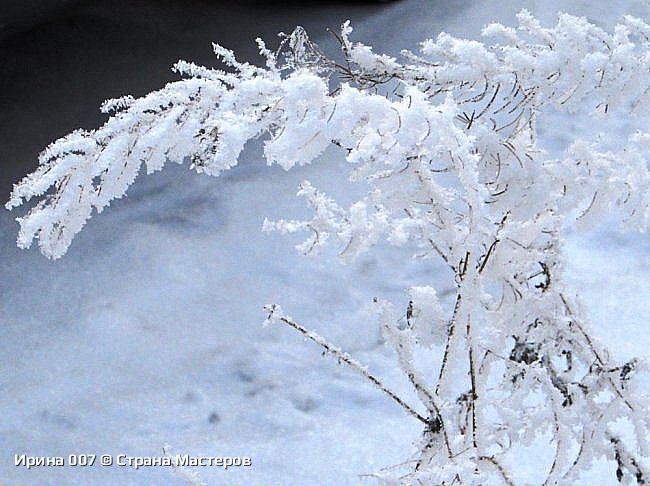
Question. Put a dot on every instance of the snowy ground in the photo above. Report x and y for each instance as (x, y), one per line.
(148, 332)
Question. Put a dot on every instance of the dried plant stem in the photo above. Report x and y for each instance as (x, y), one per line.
(499, 468)
(343, 357)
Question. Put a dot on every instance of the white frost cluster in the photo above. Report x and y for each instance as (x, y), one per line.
(455, 168)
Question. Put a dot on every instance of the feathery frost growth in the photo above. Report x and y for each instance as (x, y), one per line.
(446, 140)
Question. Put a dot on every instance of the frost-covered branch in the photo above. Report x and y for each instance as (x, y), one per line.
(451, 155)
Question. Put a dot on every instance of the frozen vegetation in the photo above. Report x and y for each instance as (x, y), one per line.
(474, 261)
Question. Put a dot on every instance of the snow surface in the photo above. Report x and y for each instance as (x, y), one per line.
(148, 333)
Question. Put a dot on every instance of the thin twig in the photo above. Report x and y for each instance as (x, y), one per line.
(499, 467)
(473, 381)
(450, 333)
(593, 349)
(343, 358)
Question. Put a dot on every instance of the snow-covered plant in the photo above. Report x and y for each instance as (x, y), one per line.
(446, 141)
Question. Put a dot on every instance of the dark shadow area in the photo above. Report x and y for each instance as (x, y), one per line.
(19, 15)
